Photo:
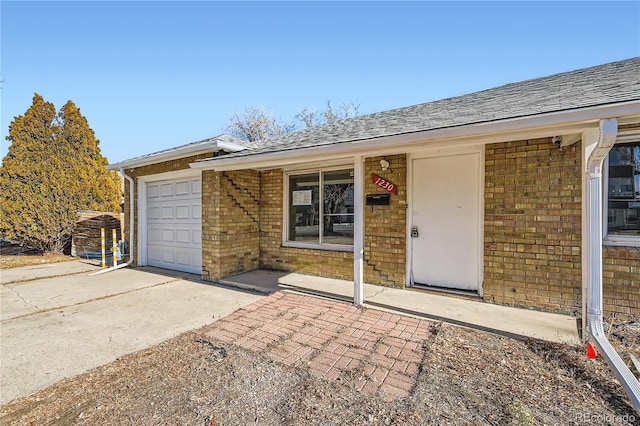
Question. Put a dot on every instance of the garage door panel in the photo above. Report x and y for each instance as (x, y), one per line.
(183, 188)
(154, 236)
(196, 186)
(183, 236)
(168, 236)
(178, 238)
(174, 227)
(168, 256)
(153, 213)
(153, 192)
(167, 212)
(196, 211)
(166, 190)
(154, 255)
(183, 259)
(183, 212)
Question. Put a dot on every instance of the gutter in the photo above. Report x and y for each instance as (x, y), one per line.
(131, 228)
(594, 158)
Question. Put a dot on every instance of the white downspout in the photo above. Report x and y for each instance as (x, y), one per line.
(131, 228)
(595, 155)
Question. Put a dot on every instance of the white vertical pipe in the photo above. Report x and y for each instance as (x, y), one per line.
(131, 229)
(594, 298)
(131, 217)
(590, 141)
(595, 156)
(358, 231)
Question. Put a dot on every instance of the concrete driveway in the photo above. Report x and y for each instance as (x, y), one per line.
(56, 321)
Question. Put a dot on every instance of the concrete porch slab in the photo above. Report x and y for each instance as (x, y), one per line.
(513, 322)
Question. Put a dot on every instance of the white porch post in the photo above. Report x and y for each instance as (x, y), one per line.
(358, 231)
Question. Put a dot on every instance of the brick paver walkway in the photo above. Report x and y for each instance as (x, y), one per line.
(374, 351)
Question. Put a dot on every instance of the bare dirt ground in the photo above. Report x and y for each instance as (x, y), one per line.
(466, 377)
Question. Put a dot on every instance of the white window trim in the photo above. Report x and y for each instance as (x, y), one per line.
(285, 210)
(615, 240)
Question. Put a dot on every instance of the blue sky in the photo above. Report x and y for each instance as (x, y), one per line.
(153, 75)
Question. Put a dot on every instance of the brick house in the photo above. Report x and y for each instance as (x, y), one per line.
(488, 194)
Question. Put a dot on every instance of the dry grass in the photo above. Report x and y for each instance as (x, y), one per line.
(18, 261)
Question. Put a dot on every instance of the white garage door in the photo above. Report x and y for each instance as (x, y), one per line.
(174, 224)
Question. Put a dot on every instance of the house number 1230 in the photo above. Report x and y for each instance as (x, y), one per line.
(384, 184)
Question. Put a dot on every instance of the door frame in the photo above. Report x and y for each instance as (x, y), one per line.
(143, 254)
(446, 152)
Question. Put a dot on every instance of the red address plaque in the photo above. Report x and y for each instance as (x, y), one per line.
(384, 184)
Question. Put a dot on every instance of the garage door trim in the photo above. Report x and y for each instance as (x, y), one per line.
(143, 253)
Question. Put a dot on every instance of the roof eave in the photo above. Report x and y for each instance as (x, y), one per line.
(177, 153)
(548, 124)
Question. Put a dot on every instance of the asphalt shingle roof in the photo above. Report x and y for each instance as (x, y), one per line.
(610, 83)
(204, 144)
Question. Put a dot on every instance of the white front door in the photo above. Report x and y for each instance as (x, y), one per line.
(445, 210)
(174, 224)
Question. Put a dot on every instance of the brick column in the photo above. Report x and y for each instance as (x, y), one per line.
(230, 222)
(385, 235)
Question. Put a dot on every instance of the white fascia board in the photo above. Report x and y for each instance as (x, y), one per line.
(164, 156)
(530, 127)
(177, 153)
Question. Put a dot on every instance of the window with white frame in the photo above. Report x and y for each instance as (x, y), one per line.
(320, 208)
(623, 192)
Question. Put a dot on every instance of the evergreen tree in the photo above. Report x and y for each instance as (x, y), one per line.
(53, 169)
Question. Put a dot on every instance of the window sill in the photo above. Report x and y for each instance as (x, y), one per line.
(326, 247)
(619, 241)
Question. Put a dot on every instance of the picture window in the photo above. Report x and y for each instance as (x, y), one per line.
(320, 208)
